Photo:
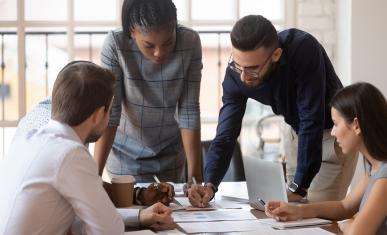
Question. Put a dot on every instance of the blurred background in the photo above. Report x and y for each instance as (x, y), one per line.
(38, 37)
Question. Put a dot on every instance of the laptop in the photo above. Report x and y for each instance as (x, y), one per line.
(265, 180)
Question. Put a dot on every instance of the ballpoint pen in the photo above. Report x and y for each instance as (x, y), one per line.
(156, 179)
(262, 202)
(194, 179)
(171, 199)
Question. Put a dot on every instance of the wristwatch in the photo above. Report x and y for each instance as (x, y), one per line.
(294, 188)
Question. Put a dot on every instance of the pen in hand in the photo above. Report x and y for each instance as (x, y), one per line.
(171, 199)
(194, 180)
(156, 179)
(263, 203)
(195, 183)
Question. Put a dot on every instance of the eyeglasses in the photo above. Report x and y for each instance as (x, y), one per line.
(251, 72)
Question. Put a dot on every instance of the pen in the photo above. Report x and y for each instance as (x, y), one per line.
(156, 179)
(194, 180)
(171, 199)
(262, 202)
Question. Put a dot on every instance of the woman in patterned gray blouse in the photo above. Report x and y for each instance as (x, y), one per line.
(359, 113)
(155, 120)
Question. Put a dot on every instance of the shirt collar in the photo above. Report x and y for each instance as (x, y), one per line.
(64, 130)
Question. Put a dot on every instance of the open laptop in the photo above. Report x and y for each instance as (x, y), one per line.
(265, 180)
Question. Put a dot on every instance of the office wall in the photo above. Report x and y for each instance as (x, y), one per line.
(360, 47)
(361, 42)
(318, 18)
(368, 47)
(343, 45)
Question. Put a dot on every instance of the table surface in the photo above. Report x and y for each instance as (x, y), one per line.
(239, 189)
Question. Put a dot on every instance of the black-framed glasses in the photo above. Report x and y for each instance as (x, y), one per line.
(252, 71)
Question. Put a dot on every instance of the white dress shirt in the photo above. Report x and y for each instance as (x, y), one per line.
(48, 178)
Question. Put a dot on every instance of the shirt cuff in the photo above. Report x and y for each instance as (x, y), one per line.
(302, 179)
(130, 217)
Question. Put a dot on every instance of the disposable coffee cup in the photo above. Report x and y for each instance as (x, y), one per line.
(121, 190)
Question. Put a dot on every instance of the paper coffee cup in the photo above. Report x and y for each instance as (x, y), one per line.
(121, 190)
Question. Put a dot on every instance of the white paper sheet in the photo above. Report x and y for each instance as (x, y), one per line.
(141, 232)
(226, 226)
(248, 227)
(198, 216)
(170, 232)
(300, 231)
(184, 201)
(297, 223)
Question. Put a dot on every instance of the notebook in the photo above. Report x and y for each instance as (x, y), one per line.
(291, 224)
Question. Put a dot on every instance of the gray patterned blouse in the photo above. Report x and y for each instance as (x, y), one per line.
(151, 103)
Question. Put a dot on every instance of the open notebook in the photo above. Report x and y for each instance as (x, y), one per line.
(298, 223)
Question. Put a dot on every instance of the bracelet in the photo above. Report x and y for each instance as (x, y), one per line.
(138, 191)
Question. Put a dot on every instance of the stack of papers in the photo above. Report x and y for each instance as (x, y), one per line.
(226, 226)
(291, 224)
(182, 203)
(140, 232)
(199, 216)
(248, 227)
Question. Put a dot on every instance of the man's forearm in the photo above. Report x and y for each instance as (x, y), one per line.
(103, 147)
(191, 143)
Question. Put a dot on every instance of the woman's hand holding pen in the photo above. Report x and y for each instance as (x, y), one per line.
(283, 211)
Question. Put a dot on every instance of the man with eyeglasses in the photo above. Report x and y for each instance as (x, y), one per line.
(291, 72)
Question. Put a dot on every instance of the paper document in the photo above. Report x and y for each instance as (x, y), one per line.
(292, 224)
(184, 202)
(170, 232)
(198, 216)
(248, 227)
(297, 231)
(226, 226)
(141, 232)
(243, 199)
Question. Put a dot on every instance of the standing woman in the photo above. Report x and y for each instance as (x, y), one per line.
(359, 114)
(155, 120)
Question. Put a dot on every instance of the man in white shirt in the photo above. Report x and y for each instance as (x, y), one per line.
(49, 177)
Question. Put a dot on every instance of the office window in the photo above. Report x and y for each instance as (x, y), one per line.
(34, 48)
(7, 10)
(271, 9)
(53, 10)
(8, 73)
(6, 134)
(215, 10)
(46, 54)
(99, 10)
(88, 43)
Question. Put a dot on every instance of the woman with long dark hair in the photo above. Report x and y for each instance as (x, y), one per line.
(359, 113)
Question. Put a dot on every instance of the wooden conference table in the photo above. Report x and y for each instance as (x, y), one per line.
(239, 189)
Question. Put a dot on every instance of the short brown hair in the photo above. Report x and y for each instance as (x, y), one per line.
(252, 32)
(79, 90)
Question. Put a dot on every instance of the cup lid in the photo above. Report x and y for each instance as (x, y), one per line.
(122, 179)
